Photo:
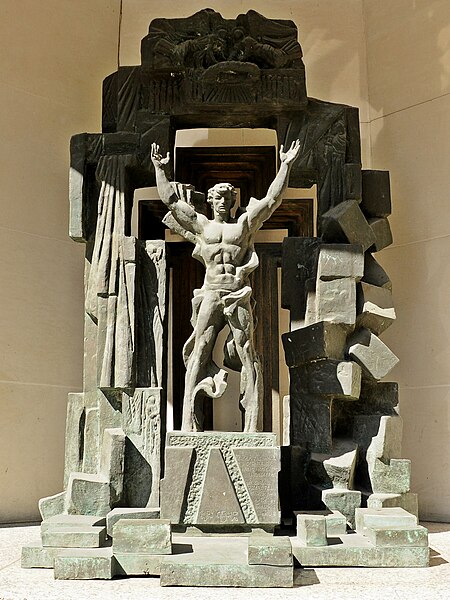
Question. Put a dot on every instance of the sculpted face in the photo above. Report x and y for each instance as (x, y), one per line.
(222, 198)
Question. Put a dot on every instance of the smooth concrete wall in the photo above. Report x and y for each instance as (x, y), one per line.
(53, 57)
(408, 57)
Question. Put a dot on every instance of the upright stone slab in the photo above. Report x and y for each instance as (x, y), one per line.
(230, 480)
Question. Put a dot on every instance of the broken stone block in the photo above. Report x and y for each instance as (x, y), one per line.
(75, 536)
(376, 194)
(142, 536)
(311, 529)
(87, 494)
(129, 513)
(382, 233)
(335, 301)
(112, 460)
(340, 467)
(374, 273)
(346, 222)
(340, 379)
(374, 307)
(345, 501)
(85, 563)
(52, 505)
(371, 353)
(266, 549)
(386, 444)
(321, 340)
(383, 518)
(408, 501)
(340, 260)
(336, 523)
(397, 536)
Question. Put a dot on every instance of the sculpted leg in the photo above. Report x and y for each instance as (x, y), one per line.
(202, 375)
(241, 325)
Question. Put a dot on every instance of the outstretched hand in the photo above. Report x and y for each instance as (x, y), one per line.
(289, 156)
(157, 158)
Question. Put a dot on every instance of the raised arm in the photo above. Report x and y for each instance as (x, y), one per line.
(181, 210)
(260, 211)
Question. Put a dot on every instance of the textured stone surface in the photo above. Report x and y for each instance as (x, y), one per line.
(311, 529)
(245, 468)
(397, 536)
(73, 453)
(266, 549)
(346, 222)
(340, 466)
(138, 564)
(376, 359)
(85, 564)
(36, 556)
(221, 562)
(112, 460)
(68, 521)
(335, 522)
(345, 501)
(407, 501)
(376, 193)
(340, 379)
(340, 260)
(335, 301)
(129, 513)
(321, 340)
(383, 518)
(382, 233)
(88, 494)
(142, 536)
(392, 478)
(375, 308)
(52, 505)
(352, 181)
(75, 536)
(374, 273)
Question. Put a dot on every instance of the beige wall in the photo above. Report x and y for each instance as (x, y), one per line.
(408, 57)
(53, 57)
(387, 58)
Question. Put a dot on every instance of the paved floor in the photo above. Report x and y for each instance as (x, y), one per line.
(328, 583)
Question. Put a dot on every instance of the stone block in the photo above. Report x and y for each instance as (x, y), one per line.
(339, 379)
(344, 501)
(335, 301)
(112, 460)
(352, 181)
(371, 353)
(378, 398)
(383, 518)
(87, 494)
(346, 222)
(138, 564)
(52, 505)
(231, 483)
(142, 536)
(68, 521)
(97, 563)
(335, 522)
(408, 501)
(374, 274)
(266, 549)
(376, 194)
(311, 529)
(340, 260)
(35, 556)
(221, 562)
(382, 233)
(386, 444)
(340, 466)
(321, 340)
(76, 536)
(391, 478)
(374, 307)
(129, 513)
(397, 536)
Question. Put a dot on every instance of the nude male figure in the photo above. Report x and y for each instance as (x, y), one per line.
(226, 248)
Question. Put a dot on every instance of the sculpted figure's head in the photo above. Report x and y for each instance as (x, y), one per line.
(222, 198)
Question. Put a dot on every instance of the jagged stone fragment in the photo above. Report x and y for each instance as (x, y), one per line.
(346, 222)
(345, 501)
(374, 273)
(266, 549)
(321, 340)
(340, 379)
(382, 232)
(371, 353)
(376, 193)
(311, 529)
(340, 467)
(340, 260)
(142, 536)
(335, 301)
(374, 307)
(382, 452)
(129, 513)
